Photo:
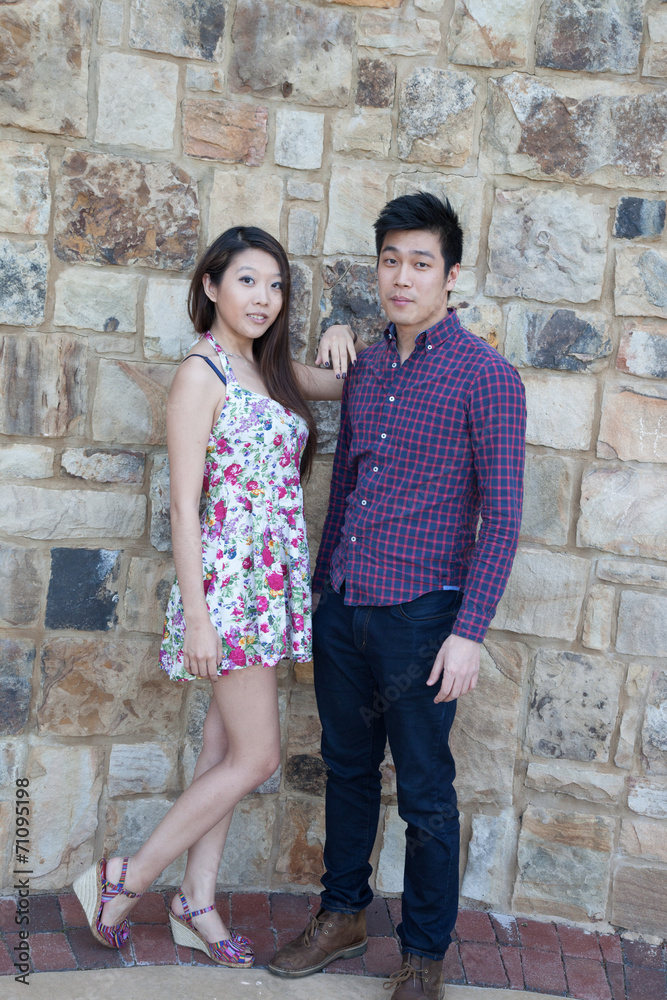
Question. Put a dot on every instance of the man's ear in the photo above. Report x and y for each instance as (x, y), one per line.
(452, 277)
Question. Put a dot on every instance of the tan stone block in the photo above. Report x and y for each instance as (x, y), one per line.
(484, 319)
(26, 461)
(130, 402)
(198, 697)
(436, 117)
(104, 466)
(115, 210)
(356, 194)
(574, 705)
(46, 52)
(7, 828)
(544, 594)
(299, 139)
(303, 229)
(160, 498)
(642, 624)
(241, 198)
(108, 687)
(577, 37)
(90, 299)
(65, 785)
(17, 658)
(189, 30)
(41, 513)
(399, 34)
(634, 423)
(304, 190)
(638, 899)
(556, 338)
(641, 838)
(391, 863)
(168, 332)
(137, 101)
(566, 779)
(23, 572)
(138, 768)
(547, 245)
(569, 134)
(231, 131)
(204, 78)
(110, 27)
(643, 349)
(636, 686)
(24, 269)
(640, 284)
(303, 673)
(350, 295)
(634, 573)
(44, 381)
(654, 729)
(149, 583)
(311, 51)
(305, 770)
(490, 34)
(598, 617)
(363, 132)
(623, 510)
(130, 821)
(648, 798)
(316, 502)
(376, 83)
(301, 302)
(547, 499)
(247, 856)
(301, 842)
(563, 864)
(25, 196)
(655, 60)
(368, 3)
(490, 857)
(485, 734)
(466, 195)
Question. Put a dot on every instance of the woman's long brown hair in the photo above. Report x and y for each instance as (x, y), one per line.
(271, 350)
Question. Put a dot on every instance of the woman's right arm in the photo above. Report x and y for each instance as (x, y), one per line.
(193, 402)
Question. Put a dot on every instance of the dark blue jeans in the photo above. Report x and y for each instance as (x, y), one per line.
(371, 667)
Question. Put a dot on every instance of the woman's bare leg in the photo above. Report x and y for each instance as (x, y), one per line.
(248, 704)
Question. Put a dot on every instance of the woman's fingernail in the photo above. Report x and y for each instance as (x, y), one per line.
(337, 376)
(344, 375)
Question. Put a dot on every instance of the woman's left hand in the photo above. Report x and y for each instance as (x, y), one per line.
(336, 349)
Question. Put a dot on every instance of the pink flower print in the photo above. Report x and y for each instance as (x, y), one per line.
(252, 485)
(282, 492)
(220, 554)
(247, 503)
(231, 473)
(278, 440)
(267, 558)
(295, 543)
(208, 582)
(264, 627)
(247, 562)
(275, 581)
(262, 604)
(290, 519)
(205, 484)
(297, 621)
(220, 510)
(238, 657)
(285, 459)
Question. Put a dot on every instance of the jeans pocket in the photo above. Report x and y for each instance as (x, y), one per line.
(436, 605)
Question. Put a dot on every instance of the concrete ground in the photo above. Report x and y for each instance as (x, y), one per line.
(168, 982)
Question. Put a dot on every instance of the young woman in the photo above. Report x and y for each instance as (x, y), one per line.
(238, 421)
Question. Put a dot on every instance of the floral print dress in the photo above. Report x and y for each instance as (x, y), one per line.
(254, 546)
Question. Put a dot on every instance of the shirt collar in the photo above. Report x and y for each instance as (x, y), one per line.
(435, 335)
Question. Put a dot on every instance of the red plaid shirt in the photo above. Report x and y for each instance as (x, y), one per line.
(424, 448)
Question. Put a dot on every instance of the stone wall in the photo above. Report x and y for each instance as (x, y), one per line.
(134, 131)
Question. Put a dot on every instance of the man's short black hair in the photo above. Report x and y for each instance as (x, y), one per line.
(423, 211)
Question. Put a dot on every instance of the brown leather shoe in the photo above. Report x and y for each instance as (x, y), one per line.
(418, 977)
(327, 937)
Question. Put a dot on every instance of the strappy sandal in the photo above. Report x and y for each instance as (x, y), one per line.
(93, 890)
(235, 952)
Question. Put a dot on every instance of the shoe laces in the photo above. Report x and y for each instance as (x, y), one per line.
(406, 972)
(312, 929)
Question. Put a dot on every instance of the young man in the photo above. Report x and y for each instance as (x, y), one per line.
(432, 436)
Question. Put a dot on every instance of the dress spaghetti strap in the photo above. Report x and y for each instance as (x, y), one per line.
(210, 364)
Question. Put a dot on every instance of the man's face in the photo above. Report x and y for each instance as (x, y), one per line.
(412, 282)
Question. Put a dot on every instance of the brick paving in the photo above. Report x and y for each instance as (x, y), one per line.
(488, 950)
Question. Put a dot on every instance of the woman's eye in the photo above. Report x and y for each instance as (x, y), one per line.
(247, 279)
(278, 285)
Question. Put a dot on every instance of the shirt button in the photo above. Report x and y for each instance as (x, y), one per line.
(353, 538)
(430, 347)
(375, 468)
(391, 399)
(364, 502)
(393, 365)
(383, 435)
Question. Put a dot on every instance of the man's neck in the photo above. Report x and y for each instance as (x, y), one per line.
(407, 335)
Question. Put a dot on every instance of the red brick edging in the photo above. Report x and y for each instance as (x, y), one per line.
(489, 950)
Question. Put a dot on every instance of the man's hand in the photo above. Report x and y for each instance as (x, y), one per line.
(458, 662)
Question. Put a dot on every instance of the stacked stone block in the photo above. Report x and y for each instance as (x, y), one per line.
(133, 132)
